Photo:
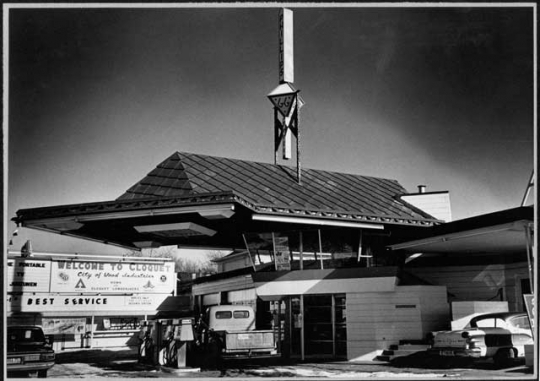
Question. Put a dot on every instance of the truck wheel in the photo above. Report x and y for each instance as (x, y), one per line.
(504, 358)
(42, 373)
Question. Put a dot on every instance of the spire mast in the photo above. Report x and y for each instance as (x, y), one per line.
(285, 98)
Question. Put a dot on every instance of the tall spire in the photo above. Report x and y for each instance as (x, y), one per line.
(285, 98)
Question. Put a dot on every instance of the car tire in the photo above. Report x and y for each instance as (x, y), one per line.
(42, 373)
(504, 358)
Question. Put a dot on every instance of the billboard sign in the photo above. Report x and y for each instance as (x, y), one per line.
(112, 277)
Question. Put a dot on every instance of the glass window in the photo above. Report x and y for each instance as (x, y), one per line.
(521, 322)
(486, 323)
(25, 334)
(223, 314)
(241, 314)
(491, 323)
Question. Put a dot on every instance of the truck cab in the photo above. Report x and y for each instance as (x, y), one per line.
(232, 332)
(231, 318)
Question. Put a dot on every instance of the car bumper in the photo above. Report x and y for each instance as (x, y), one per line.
(456, 352)
(30, 367)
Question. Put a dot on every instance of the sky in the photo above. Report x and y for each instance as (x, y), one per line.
(438, 96)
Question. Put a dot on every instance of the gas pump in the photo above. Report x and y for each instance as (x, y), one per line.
(176, 336)
(165, 341)
(148, 338)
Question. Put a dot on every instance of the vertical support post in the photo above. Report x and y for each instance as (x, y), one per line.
(298, 162)
(92, 331)
(528, 190)
(301, 249)
(530, 258)
(360, 247)
(320, 248)
(249, 253)
(302, 334)
(290, 324)
(333, 325)
(274, 250)
(279, 327)
(276, 134)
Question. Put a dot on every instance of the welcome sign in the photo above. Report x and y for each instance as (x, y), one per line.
(112, 277)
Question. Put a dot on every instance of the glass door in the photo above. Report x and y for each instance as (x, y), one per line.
(318, 334)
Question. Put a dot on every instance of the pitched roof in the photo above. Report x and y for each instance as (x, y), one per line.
(267, 187)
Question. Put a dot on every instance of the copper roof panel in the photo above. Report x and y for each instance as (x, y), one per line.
(269, 185)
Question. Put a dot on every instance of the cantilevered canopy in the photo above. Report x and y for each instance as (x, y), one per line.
(202, 201)
(502, 232)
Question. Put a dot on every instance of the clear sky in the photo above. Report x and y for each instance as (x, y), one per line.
(434, 96)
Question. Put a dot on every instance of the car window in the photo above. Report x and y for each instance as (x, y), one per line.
(520, 322)
(486, 323)
(22, 335)
(491, 323)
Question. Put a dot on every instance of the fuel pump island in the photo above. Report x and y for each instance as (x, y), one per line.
(189, 343)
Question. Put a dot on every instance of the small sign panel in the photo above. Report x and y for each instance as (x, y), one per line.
(283, 98)
(283, 103)
(281, 252)
(28, 275)
(286, 46)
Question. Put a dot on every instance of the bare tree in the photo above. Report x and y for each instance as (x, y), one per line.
(182, 265)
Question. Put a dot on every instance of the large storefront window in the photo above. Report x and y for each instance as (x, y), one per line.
(319, 248)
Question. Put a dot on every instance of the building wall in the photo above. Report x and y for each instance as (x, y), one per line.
(230, 284)
(376, 320)
(479, 282)
(437, 204)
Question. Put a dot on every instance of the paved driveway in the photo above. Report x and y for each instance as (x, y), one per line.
(100, 364)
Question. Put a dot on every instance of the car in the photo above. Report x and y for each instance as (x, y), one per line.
(29, 351)
(497, 336)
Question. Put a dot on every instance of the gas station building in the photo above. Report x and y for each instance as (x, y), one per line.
(339, 265)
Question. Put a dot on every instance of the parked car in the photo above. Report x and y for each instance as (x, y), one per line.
(29, 351)
(499, 336)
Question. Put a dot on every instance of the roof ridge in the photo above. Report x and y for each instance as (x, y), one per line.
(181, 153)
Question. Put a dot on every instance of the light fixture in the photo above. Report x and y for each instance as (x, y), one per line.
(178, 230)
(315, 221)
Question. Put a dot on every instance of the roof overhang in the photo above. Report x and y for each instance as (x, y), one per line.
(497, 233)
(503, 238)
(209, 220)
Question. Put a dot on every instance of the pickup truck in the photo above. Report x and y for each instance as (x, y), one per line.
(230, 330)
(497, 336)
(28, 351)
